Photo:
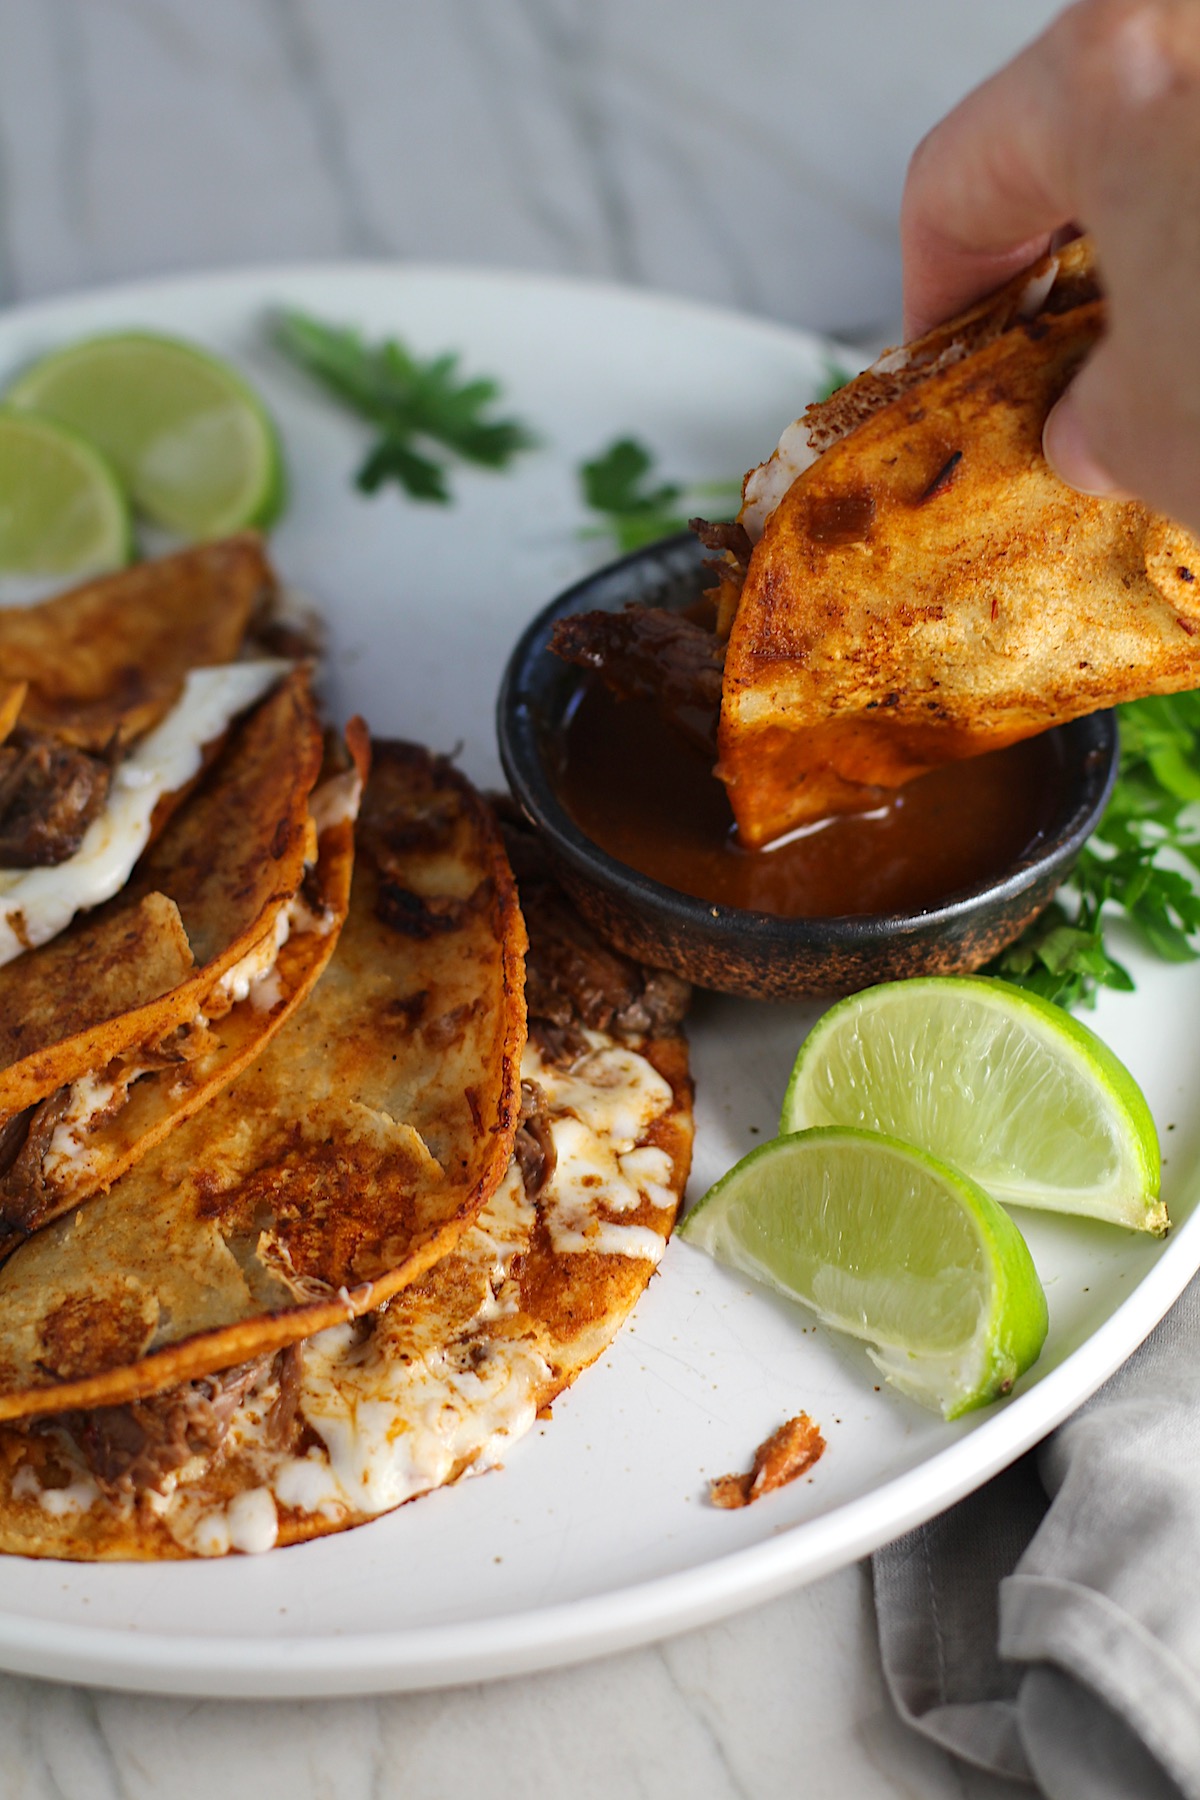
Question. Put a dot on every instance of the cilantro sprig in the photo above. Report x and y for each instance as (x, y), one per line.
(1141, 860)
(415, 404)
(636, 505)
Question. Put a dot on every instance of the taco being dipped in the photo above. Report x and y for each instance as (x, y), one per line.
(154, 935)
(385, 1248)
(909, 583)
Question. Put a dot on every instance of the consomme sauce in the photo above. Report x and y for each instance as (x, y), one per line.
(648, 797)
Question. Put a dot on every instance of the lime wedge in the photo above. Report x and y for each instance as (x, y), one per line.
(62, 509)
(192, 443)
(891, 1246)
(996, 1081)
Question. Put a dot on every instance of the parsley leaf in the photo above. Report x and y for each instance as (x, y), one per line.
(1141, 860)
(410, 401)
(835, 377)
(636, 508)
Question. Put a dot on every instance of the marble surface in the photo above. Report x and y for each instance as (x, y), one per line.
(752, 155)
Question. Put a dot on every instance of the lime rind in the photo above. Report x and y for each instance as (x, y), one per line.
(949, 1304)
(63, 510)
(191, 440)
(998, 1082)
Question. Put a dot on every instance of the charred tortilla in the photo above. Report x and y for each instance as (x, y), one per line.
(927, 589)
(132, 1017)
(444, 1379)
(105, 661)
(334, 1171)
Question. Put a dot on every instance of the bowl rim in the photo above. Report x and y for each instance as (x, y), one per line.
(518, 733)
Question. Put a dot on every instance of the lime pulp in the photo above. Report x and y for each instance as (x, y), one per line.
(62, 509)
(190, 440)
(892, 1246)
(994, 1080)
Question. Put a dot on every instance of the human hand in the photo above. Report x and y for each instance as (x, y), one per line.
(1096, 124)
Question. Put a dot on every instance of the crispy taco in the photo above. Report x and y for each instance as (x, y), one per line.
(926, 588)
(337, 1428)
(908, 583)
(337, 1167)
(128, 999)
(106, 661)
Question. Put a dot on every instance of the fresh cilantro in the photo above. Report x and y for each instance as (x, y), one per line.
(835, 377)
(417, 406)
(1141, 860)
(636, 508)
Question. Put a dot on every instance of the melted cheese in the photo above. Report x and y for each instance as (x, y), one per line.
(336, 801)
(60, 1502)
(253, 978)
(36, 904)
(615, 1092)
(253, 1521)
(410, 1399)
(68, 1158)
(588, 1175)
(766, 485)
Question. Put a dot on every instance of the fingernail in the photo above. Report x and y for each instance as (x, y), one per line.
(1065, 448)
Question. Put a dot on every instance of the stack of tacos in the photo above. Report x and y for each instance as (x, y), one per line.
(302, 1211)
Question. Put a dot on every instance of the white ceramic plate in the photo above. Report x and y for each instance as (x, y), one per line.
(597, 1534)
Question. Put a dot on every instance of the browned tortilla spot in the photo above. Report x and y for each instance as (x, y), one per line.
(106, 661)
(327, 1176)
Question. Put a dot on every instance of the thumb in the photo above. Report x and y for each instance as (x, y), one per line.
(1066, 448)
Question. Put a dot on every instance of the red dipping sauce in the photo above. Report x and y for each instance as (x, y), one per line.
(649, 798)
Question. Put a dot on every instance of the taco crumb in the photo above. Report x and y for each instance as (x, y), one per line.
(786, 1454)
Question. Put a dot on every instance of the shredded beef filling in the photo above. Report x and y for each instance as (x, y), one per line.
(648, 653)
(132, 1448)
(49, 794)
(572, 981)
(27, 1198)
(533, 1145)
(281, 1420)
(728, 537)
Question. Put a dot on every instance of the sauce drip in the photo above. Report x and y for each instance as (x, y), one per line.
(650, 799)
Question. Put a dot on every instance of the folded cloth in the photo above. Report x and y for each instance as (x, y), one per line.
(1047, 1629)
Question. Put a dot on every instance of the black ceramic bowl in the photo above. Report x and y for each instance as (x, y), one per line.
(755, 953)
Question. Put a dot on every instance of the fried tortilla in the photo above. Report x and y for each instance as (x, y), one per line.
(129, 1020)
(443, 1380)
(12, 698)
(103, 663)
(926, 588)
(337, 1168)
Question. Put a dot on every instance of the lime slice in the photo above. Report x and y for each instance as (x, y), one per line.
(192, 443)
(891, 1246)
(996, 1081)
(62, 509)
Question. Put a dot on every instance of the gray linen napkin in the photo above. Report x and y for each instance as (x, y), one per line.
(1048, 1627)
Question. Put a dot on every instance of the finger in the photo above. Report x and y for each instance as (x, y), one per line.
(1121, 430)
(1015, 161)
(985, 190)
(1069, 452)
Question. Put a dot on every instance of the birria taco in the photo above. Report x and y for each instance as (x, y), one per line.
(171, 876)
(909, 583)
(384, 1248)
